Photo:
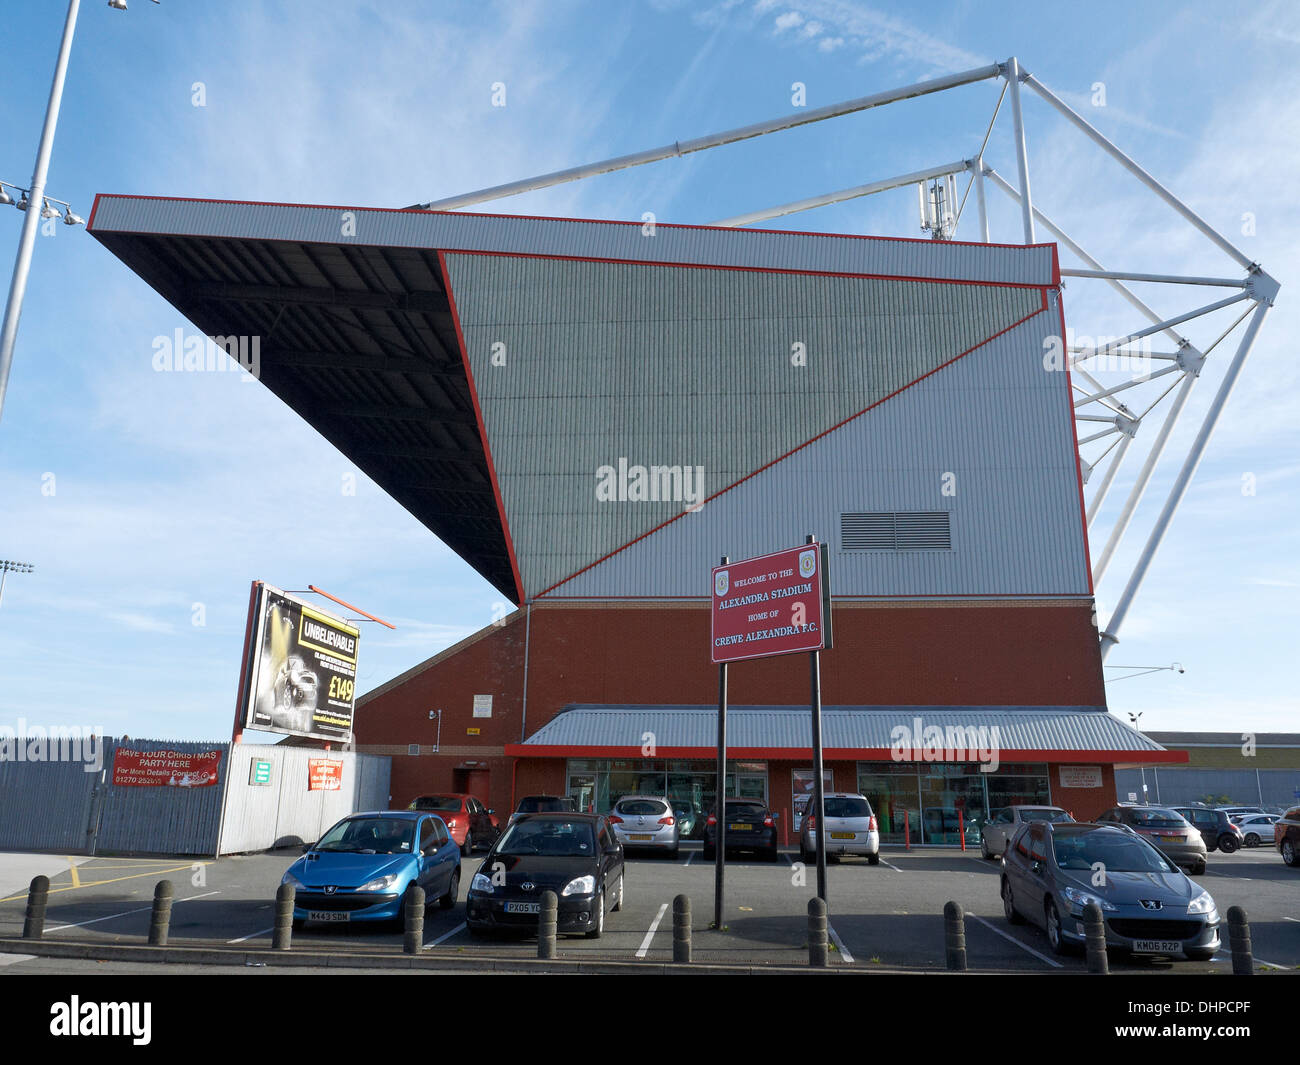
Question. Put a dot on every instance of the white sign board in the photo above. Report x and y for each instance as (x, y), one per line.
(482, 706)
(1080, 776)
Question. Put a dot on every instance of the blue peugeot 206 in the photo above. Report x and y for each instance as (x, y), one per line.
(361, 868)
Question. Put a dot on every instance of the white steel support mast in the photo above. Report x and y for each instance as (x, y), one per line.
(1097, 403)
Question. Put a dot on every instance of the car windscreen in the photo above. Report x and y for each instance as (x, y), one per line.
(548, 838)
(642, 807)
(434, 803)
(846, 807)
(1044, 813)
(1154, 818)
(370, 835)
(1117, 854)
(543, 804)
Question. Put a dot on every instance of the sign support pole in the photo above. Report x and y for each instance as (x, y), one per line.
(814, 663)
(720, 806)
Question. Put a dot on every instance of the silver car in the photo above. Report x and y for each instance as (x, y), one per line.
(850, 829)
(998, 829)
(645, 821)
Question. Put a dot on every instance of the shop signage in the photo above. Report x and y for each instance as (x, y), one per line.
(1080, 776)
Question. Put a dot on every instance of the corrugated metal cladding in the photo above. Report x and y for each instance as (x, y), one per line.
(995, 420)
(46, 806)
(778, 250)
(284, 813)
(1049, 728)
(717, 372)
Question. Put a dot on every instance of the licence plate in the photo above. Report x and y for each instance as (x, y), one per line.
(1157, 946)
(523, 907)
(842, 835)
(327, 916)
(641, 835)
(740, 828)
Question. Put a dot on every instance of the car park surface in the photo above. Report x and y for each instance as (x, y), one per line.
(886, 916)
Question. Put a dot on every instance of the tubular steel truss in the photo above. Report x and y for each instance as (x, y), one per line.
(1103, 417)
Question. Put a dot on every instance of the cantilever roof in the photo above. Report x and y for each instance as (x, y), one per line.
(359, 335)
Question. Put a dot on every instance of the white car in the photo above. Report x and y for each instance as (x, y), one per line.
(1256, 827)
(645, 821)
(850, 829)
(997, 831)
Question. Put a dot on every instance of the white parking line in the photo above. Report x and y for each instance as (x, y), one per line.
(835, 938)
(654, 926)
(138, 909)
(443, 938)
(1258, 960)
(891, 865)
(1013, 939)
(689, 856)
(1296, 919)
(254, 935)
(15, 959)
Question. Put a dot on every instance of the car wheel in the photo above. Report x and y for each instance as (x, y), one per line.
(772, 855)
(1252, 840)
(984, 848)
(1009, 905)
(600, 917)
(710, 854)
(453, 891)
(1289, 853)
(467, 848)
(1198, 869)
(1054, 934)
(618, 899)
(1228, 843)
(873, 859)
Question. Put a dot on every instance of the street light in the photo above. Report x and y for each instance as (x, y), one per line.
(35, 193)
(7, 567)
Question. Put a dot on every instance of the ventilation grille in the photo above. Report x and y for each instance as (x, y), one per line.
(907, 530)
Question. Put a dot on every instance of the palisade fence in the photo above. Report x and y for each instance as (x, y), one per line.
(1186, 784)
(73, 807)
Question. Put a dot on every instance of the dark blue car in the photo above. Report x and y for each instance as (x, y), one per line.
(361, 868)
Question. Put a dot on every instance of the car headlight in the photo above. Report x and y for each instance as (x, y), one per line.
(382, 883)
(1079, 899)
(289, 878)
(581, 885)
(1201, 904)
(481, 882)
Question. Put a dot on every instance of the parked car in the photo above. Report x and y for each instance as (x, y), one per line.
(470, 823)
(1004, 824)
(1165, 828)
(540, 804)
(575, 855)
(1286, 837)
(850, 828)
(362, 867)
(689, 821)
(1255, 828)
(1215, 827)
(1148, 904)
(749, 826)
(645, 821)
(1236, 813)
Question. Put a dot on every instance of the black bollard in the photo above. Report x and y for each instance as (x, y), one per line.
(37, 896)
(682, 929)
(285, 898)
(546, 922)
(954, 936)
(161, 918)
(1094, 927)
(1243, 961)
(413, 941)
(817, 923)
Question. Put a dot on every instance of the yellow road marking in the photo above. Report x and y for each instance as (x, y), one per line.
(112, 880)
(76, 877)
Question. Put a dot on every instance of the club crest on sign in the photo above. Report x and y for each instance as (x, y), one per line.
(807, 563)
(721, 582)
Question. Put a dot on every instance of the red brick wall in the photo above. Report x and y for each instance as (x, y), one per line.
(913, 653)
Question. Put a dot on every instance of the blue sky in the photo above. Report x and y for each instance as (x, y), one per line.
(163, 498)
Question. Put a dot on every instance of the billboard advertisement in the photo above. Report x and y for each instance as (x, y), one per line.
(164, 769)
(770, 605)
(302, 667)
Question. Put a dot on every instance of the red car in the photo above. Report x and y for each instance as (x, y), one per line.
(470, 823)
(1286, 836)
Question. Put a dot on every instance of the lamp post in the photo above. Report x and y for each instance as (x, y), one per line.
(34, 195)
(7, 567)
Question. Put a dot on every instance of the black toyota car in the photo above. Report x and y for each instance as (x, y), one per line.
(750, 826)
(575, 855)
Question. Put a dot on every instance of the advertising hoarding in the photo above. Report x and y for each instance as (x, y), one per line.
(164, 769)
(324, 774)
(300, 678)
